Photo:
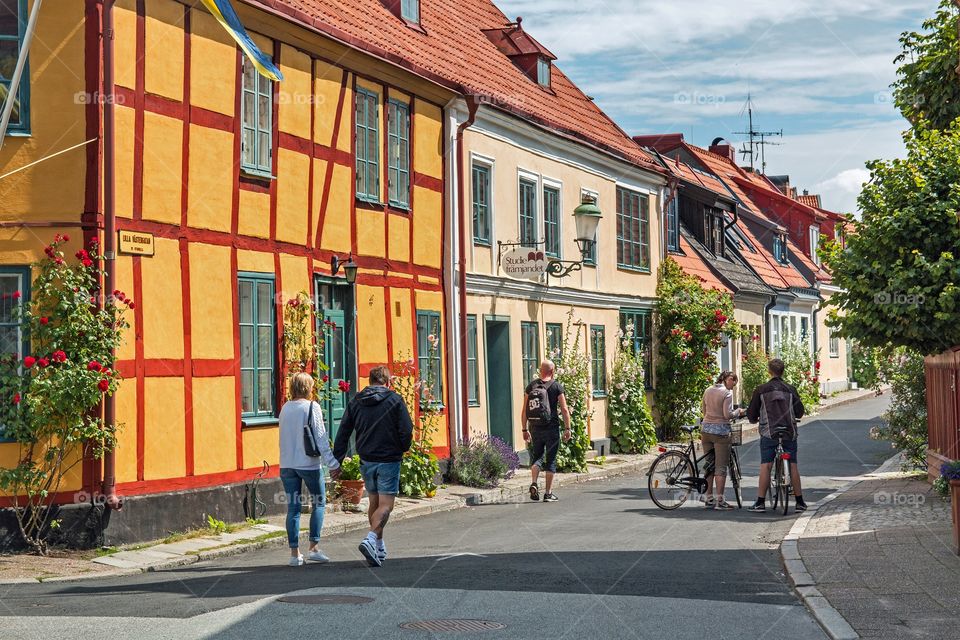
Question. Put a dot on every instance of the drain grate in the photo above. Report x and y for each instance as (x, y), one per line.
(331, 599)
(453, 625)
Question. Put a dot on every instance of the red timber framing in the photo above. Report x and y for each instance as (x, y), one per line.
(380, 271)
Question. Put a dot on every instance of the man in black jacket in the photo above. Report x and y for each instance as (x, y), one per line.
(384, 431)
(776, 406)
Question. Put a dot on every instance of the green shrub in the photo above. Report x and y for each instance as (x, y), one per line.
(478, 463)
(800, 371)
(350, 468)
(906, 418)
(631, 424)
(753, 372)
(574, 374)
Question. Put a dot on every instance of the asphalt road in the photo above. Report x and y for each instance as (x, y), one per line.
(603, 562)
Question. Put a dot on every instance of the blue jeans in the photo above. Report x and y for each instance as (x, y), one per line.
(293, 480)
(381, 477)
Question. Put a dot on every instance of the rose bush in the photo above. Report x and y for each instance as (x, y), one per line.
(631, 424)
(55, 393)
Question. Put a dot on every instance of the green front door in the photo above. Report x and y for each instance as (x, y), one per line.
(499, 387)
(335, 359)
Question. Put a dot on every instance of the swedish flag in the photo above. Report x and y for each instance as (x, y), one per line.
(223, 11)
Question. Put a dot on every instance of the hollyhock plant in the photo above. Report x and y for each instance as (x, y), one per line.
(57, 395)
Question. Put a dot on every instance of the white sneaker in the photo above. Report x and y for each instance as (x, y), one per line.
(296, 561)
(317, 556)
(369, 550)
(381, 552)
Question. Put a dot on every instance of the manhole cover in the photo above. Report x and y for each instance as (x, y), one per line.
(453, 625)
(332, 599)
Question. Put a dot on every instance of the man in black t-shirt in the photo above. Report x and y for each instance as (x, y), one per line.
(544, 434)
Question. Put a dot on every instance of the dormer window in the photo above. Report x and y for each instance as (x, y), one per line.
(780, 248)
(410, 10)
(527, 54)
(543, 71)
(713, 230)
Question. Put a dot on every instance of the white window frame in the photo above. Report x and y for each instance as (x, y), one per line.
(552, 183)
(814, 243)
(531, 176)
(490, 165)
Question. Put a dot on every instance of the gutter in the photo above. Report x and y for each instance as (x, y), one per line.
(473, 104)
(109, 486)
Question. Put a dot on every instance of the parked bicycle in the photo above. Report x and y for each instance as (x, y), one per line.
(675, 474)
(781, 485)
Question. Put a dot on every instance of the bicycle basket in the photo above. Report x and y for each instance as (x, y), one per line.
(736, 434)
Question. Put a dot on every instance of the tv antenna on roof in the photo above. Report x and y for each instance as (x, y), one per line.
(758, 140)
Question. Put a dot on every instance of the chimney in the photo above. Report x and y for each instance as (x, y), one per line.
(806, 192)
(726, 149)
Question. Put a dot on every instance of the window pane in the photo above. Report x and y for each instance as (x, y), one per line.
(8, 18)
(551, 220)
(246, 302)
(246, 391)
(265, 390)
(246, 346)
(338, 370)
(249, 109)
(264, 346)
(264, 161)
(9, 340)
(264, 303)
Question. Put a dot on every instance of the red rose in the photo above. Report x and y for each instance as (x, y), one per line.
(82, 254)
(16, 398)
(94, 242)
(344, 386)
(66, 238)
(103, 385)
(326, 378)
(106, 371)
(93, 365)
(29, 361)
(44, 320)
(16, 295)
(58, 260)
(87, 262)
(131, 305)
(60, 356)
(816, 365)
(43, 362)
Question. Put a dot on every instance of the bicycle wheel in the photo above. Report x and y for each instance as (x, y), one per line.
(669, 481)
(734, 473)
(776, 481)
(786, 487)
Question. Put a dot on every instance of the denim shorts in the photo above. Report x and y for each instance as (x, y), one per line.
(381, 477)
(768, 449)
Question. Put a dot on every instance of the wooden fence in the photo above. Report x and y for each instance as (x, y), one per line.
(943, 409)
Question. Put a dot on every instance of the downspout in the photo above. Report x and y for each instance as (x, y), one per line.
(472, 105)
(109, 486)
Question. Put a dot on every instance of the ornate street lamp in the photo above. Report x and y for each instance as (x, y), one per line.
(349, 268)
(586, 217)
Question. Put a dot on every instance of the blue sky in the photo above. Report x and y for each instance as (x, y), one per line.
(818, 70)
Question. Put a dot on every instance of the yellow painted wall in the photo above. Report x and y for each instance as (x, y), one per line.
(399, 241)
(58, 121)
(428, 227)
(293, 189)
(255, 261)
(213, 63)
(401, 306)
(294, 92)
(326, 83)
(336, 232)
(162, 168)
(124, 282)
(164, 451)
(163, 48)
(126, 412)
(371, 325)
(294, 276)
(428, 144)
(214, 437)
(259, 444)
(209, 200)
(162, 308)
(254, 216)
(123, 160)
(371, 233)
(125, 43)
(211, 295)
(833, 369)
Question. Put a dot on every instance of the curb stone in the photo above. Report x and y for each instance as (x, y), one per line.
(220, 549)
(834, 624)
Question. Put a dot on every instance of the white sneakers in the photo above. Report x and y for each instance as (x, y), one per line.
(369, 550)
(314, 556)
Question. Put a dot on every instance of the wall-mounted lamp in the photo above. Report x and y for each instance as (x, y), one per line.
(587, 217)
(349, 268)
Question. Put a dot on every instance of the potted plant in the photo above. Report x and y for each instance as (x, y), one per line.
(951, 473)
(351, 484)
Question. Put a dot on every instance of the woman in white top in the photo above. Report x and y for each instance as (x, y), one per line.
(297, 468)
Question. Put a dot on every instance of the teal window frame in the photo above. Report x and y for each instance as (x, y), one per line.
(367, 138)
(633, 230)
(398, 153)
(22, 125)
(473, 366)
(598, 360)
(530, 349)
(428, 322)
(410, 10)
(554, 339)
(251, 160)
(22, 273)
(551, 221)
(482, 176)
(259, 319)
(527, 209)
(642, 321)
(673, 224)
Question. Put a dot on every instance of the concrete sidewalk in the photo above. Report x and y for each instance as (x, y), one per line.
(876, 560)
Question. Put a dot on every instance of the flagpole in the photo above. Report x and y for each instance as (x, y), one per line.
(18, 70)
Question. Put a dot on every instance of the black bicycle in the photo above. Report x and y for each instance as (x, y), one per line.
(675, 474)
(781, 484)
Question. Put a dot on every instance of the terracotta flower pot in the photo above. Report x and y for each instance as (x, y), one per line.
(352, 491)
(955, 507)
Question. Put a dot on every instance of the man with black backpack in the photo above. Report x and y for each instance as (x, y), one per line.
(776, 406)
(540, 419)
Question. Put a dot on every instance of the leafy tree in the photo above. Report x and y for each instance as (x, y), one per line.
(691, 325)
(927, 86)
(899, 273)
